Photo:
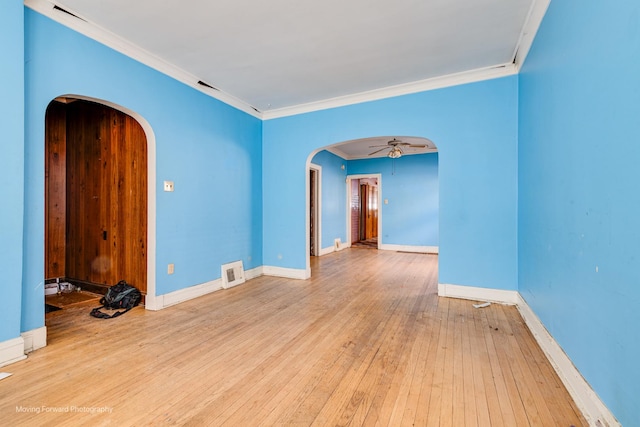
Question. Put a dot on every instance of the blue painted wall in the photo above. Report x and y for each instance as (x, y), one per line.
(11, 165)
(334, 197)
(475, 128)
(579, 202)
(410, 184)
(537, 176)
(210, 150)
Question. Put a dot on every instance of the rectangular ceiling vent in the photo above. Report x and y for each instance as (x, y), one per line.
(59, 9)
(232, 274)
(205, 84)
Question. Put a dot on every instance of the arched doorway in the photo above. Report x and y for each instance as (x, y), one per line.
(96, 195)
(410, 199)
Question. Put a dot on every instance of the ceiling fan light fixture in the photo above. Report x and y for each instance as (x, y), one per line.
(395, 153)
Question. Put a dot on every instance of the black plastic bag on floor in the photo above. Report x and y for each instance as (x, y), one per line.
(119, 296)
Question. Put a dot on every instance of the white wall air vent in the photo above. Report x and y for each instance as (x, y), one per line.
(232, 274)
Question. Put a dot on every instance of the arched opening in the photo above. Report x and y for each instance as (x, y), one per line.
(401, 215)
(99, 197)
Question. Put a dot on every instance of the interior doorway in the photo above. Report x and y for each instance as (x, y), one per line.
(314, 211)
(96, 204)
(364, 211)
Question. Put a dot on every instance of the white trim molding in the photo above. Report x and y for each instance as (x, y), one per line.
(12, 351)
(338, 246)
(116, 42)
(133, 51)
(501, 296)
(186, 294)
(192, 292)
(408, 248)
(287, 273)
(593, 409)
(253, 273)
(500, 70)
(34, 339)
(529, 31)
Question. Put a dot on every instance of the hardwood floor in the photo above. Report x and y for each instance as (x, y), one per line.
(365, 342)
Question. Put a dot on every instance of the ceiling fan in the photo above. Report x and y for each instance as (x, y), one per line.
(394, 146)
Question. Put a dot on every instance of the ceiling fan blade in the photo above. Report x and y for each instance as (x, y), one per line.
(377, 151)
(376, 146)
(417, 145)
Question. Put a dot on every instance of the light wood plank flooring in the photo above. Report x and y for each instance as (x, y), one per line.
(365, 342)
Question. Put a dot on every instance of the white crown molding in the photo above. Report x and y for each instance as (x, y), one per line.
(106, 37)
(593, 409)
(397, 90)
(529, 31)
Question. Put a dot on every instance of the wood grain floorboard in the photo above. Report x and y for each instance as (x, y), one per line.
(365, 342)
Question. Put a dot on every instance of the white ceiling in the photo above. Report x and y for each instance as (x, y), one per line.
(280, 57)
(279, 54)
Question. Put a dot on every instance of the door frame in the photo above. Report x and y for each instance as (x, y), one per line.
(317, 223)
(378, 177)
(151, 300)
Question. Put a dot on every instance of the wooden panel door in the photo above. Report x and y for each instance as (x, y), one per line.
(372, 216)
(87, 251)
(371, 227)
(364, 197)
(129, 203)
(106, 192)
(55, 191)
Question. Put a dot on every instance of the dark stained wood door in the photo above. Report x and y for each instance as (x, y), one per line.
(105, 173)
(55, 190)
(368, 211)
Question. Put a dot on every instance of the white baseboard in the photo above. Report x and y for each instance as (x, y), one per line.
(501, 296)
(596, 413)
(592, 408)
(253, 273)
(407, 248)
(331, 249)
(327, 250)
(34, 339)
(186, 294)
(182, 295)
(12, 351)
(288, 273)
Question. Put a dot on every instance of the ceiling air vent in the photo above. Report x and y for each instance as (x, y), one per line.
(58, 8)
(232, 274)
(201, 83)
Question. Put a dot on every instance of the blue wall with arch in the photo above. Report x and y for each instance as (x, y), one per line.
(333, 198)
(210, 150)
(410, 185)
(475, 128)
